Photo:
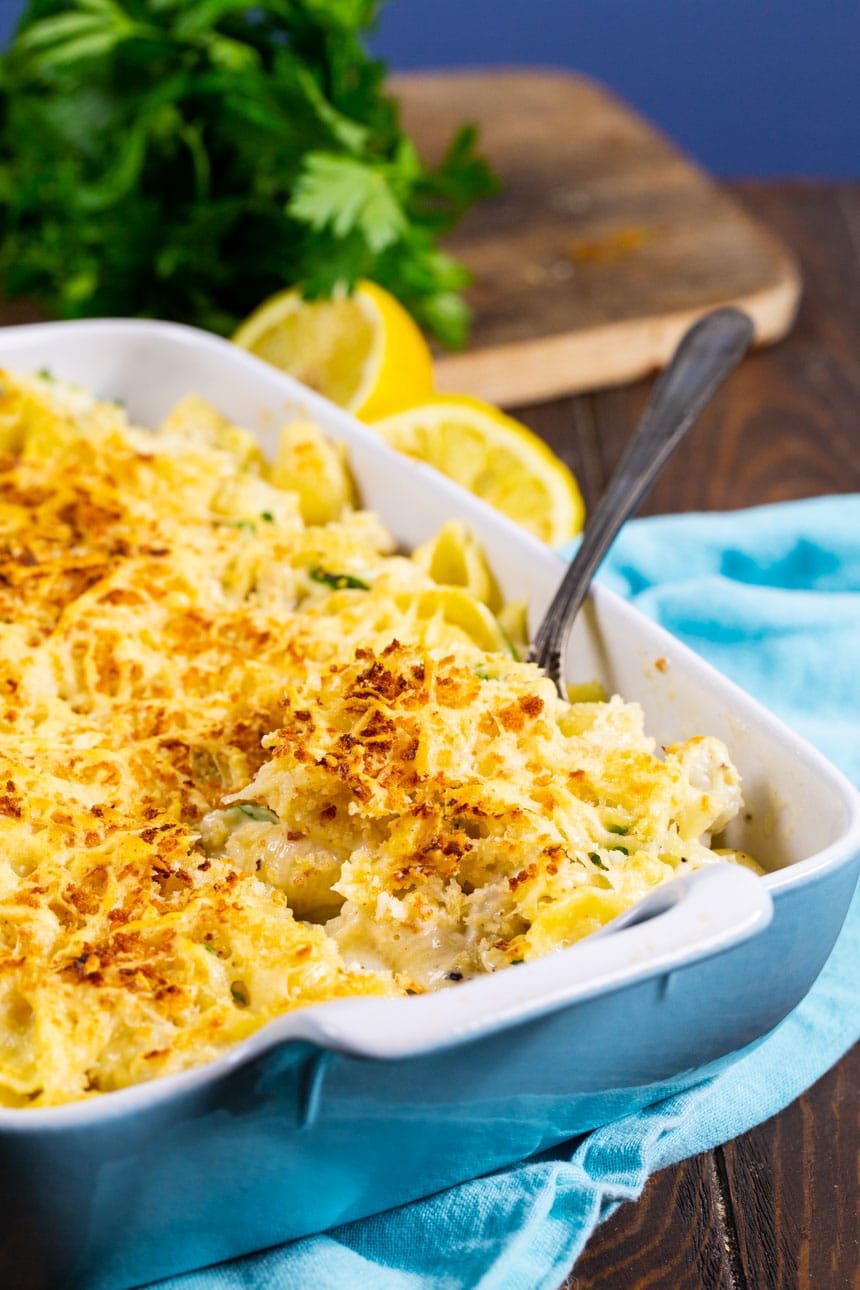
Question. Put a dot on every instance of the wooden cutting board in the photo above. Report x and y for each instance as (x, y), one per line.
(604, 244)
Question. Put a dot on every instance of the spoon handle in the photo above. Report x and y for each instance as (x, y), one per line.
(706, 355)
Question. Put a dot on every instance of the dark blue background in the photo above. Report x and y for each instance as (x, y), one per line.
(750, 87)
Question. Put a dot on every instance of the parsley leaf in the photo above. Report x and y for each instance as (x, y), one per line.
(345, 196)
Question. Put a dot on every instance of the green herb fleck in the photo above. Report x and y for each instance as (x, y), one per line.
(484, 673)
(514, 962)
(596, 860)
(260, 813)
(621, 829)
(338, 581)
(46, 374)
(509, 644)
(268, 517)
(623, 850)
(240, 994)
(210, 948)
(246, 524)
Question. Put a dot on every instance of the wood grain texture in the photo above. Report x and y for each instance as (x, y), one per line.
(775, 1210)
(795, 1225)
(603, 245)
(788, 424)
(779, 1208)
(673, 1239)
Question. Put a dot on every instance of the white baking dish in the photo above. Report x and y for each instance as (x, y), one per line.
(338, 1110)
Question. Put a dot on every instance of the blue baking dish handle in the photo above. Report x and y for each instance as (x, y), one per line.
(680, 923)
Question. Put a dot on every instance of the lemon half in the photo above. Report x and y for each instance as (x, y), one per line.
(495, 457)
(363, 351)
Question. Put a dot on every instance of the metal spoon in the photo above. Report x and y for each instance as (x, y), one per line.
(705, 356)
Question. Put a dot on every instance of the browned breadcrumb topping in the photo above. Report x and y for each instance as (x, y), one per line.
(249, 766)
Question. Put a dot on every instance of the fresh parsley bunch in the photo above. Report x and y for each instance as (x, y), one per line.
(186, 158)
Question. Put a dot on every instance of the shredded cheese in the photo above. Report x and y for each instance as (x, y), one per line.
(251, 759)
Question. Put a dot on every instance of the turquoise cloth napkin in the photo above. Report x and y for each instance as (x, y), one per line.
(771, 597)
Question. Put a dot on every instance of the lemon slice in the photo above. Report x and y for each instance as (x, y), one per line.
(363, 351)
(495, 457)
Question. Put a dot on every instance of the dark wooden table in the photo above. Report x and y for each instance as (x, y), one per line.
(779, 1208)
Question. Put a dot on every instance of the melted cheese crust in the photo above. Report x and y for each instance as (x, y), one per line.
(252, 760)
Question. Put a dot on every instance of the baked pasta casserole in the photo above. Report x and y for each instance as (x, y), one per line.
(252, 758)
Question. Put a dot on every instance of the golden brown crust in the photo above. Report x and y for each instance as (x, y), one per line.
(248, 764)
